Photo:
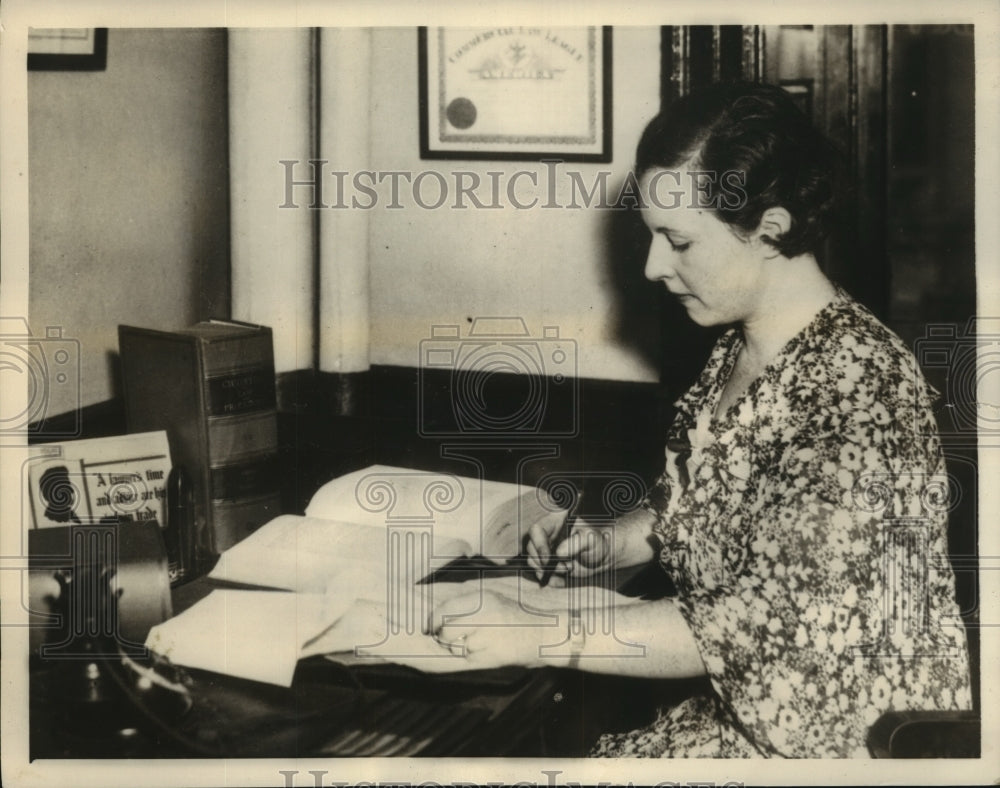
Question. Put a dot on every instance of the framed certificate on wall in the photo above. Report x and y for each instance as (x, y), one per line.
(521, 93)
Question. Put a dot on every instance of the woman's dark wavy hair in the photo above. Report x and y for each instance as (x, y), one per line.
(758, 131)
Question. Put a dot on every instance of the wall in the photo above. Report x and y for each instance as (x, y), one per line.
(570, 268)
(130, 219)
(129, 193)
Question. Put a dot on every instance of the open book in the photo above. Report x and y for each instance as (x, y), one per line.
(354, 571)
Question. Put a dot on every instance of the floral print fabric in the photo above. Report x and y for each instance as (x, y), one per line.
(805, 532)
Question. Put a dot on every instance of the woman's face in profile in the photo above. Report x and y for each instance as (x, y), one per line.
(717, 275)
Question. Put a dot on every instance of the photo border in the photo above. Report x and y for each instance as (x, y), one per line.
(19, 771)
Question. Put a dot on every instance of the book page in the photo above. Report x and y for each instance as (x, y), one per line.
(310, 554)
(492, 517)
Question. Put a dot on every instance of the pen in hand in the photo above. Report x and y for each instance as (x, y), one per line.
(561, 536)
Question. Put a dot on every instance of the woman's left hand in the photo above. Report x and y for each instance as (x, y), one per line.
(499, 633)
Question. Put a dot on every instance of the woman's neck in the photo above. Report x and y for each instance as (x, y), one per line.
(797, 291)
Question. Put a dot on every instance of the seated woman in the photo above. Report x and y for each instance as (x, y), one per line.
(796, 515)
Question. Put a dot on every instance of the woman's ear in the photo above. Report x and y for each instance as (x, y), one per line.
(774, 223)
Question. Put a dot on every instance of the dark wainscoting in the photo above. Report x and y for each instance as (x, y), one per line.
(444, 421)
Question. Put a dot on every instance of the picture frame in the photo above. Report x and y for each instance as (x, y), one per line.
(67, 48)
(515, 93)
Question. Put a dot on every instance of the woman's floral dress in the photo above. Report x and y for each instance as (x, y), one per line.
(805, 532)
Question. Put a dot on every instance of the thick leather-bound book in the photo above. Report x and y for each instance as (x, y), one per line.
(211, 387)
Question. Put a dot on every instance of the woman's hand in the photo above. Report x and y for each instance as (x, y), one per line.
(590, 550)
(586, 551)
(500, 632)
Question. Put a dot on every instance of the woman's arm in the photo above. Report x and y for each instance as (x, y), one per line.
(668, 649)
(504, 633)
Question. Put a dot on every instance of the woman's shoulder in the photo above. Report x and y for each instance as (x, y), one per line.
(848, 362)
(846, 323)
(848, 339)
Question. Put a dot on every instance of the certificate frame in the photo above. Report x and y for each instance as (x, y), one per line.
(500, 111)
(67, 49)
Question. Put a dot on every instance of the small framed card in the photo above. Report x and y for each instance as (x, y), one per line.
(78, 482)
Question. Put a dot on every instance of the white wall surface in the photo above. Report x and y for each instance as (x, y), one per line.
(129, 216)
(128, 196)
(548, 266)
